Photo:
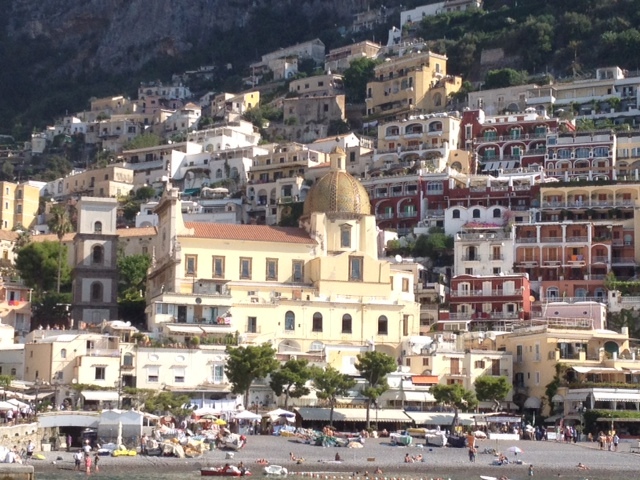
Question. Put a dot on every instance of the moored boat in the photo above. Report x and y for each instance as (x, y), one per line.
(223, 472)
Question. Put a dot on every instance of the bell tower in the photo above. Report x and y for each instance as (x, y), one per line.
(95, 274)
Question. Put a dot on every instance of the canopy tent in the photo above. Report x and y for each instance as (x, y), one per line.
(354, 415)
(206, 411)
(17, 403)
(532, 402)
(7, 406)
(618, 396)
(247, 415)
(280, 413)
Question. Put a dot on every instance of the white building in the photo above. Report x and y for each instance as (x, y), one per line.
(483, 252)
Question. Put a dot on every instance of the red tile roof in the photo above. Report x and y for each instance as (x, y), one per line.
(137, 232)
(252, 233)
(9, 235)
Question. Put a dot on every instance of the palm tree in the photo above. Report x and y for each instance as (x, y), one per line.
(59, 224)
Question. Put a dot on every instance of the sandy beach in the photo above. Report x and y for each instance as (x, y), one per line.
(550, 460)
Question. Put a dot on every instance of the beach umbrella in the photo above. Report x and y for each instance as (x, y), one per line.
(7, 406)
(17, 403)
(220, 421)
(515, 450)
(479, 434)
(279, 412)
(247, 415)
(354, 445)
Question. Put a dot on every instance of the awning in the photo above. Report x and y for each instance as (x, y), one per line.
(190, 329)
(100, 396)
(435, 418)
(553, 419)
(532, 402)
(576, 396)
(619, 396)
(354, 415)
(424, 379)
(557, 398)
(413, 396)
(596, 369)
(215, 328)
(616, 419)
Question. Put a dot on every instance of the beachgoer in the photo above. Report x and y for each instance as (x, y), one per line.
(408, 459)
(242, 469)
(78, 457)
(582, 466)
(87, 447)
(338, 457)
(472, 454)
(30, 449)
(87, 463)
(292, 456)
(96, 459)
(616, 441)
(531, 470)
(377, 471)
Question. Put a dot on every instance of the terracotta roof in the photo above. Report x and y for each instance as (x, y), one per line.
(137, 232)
(52, 237)
(8, 235)
(321, 165)
(252, 233)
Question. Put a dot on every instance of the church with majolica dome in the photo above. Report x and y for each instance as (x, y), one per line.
(304, 289)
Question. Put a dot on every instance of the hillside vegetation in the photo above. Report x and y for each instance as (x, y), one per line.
(563, 37)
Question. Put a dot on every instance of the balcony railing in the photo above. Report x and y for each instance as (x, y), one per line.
(385, 215)
(499, 292)
(623, 260)
(496, 257)
(551, 239)
(577, 239)
(412, 214)
(454, 372)
(599, 259)
(471, 258)
(526, 240)
(434, 213)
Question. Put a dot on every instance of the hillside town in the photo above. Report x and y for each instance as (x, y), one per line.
(463, 235)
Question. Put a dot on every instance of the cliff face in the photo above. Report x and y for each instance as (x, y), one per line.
(122, 35)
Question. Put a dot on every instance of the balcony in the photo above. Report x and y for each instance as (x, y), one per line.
(526, 240)
(431, 213)
(577, 239)
(551, 263)
(551, 239)
(623, 261)
(501, 372)
(385, 215)
(412, 214)
(482, 236)
(460, 315)
(499, 292)
(599, 259)
(454, 372)
(495, 258)
(527, 263)
(471, 258)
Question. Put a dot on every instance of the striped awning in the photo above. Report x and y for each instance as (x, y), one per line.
(354, 415)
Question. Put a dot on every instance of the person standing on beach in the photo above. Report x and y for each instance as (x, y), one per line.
(531, 470)
(87, 463)
(472, 454)
(96, 459)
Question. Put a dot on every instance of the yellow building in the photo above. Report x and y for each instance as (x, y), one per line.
(298, 288)
(415, 81)
(225, 103)
(588, 353)
(19, 205)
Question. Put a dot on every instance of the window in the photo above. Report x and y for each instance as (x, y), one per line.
(479, 364)
(496, 213)
(245, 268)
(345, 236)
(153, 374)
(434, 188)
(317, 322)
(218, 373)
(383, 325)
(97, 227)
(476, 213)
(100, 373)
(191, 265)
(179, 374)
(272, 269)
(355, 268)
(218, 267)
(252, 324)
(97, 255)
(290, 321)
(298, 271)
(96, 292)
(127, 360)
(346, 323)
(63, 353)
(405, 284)
(425, 362)
(455, 213)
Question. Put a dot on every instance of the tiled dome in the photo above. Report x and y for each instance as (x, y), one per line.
(337, 192)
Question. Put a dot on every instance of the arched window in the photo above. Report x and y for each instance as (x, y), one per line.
(346, 323)
(435, 127)
(127, 361)
(455, 213)
(476, 213)
(63, 353)
(496, 213)
(289, 321)
(392, 131)
(581, 293)
(234, 172)
(219, 173)
(317, 322)
(553, 292)
(97, 227)
(316, 346)
(97, 254)
(96, 292)
(383, 325)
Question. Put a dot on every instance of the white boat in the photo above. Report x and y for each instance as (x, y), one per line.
(275, 470)
(436, 439)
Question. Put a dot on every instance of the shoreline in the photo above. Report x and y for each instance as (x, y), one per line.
(550, 460)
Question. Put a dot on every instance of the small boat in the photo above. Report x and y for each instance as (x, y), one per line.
(399, 439)
(232, 441)
(275, 470)
(436, 439)
(222, 472)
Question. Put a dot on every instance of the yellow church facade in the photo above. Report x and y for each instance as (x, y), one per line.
(300, 289)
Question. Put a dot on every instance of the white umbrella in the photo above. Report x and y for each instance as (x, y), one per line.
(7, 406)
(17, 403)
(206, 411)
(479, 434)
(281, 413)
(247, 415)
(515, 450)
